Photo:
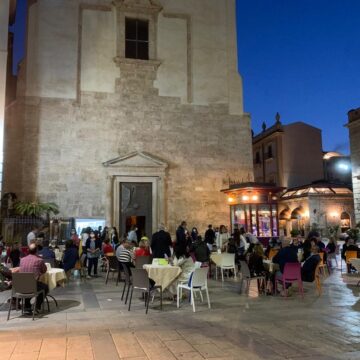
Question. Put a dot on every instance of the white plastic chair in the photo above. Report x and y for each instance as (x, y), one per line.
(198, 284)
(227, 263)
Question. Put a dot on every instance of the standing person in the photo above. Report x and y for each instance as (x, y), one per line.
(161, 243)
(84, 237)
(223, 237)
(194, 234)
(132, 235)
(242, 242)
(31, 236)
(210, 237)
(75, 238)
(93, 248)
(104, 234)
(183, 238)
(34, 264)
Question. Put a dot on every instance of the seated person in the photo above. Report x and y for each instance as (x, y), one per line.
(46, 252)
(201, 250)
(349, 246)
(71, 256)
(182, 259)
(273, 244)
(107, 249)
(32, 263)
(125, 256)
(287, 254)
(15, 255)
(296, 242)
(310, 264)
(307, 245)
(5, 278)
(255, 261)
(142, 250)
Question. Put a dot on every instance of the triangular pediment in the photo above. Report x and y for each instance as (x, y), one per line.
(136, 159)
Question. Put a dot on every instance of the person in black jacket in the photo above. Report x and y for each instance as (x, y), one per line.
(161, 243)
(93, 250)
(183, 238)
(309, 266)
(71, 256)
(287, 254)
(201, 250)
(210, 236)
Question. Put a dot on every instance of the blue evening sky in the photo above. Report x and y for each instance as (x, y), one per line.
(302, 59)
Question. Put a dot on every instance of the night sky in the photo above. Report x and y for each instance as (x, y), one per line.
(302, 59)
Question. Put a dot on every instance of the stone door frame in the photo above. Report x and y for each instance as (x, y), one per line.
(135, 167)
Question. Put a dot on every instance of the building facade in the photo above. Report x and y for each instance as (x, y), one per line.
(129, 111)
(288, 155)
(354, 136)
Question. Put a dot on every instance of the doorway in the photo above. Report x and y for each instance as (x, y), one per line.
(136, 207)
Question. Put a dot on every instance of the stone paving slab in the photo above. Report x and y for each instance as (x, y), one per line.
(92, 323)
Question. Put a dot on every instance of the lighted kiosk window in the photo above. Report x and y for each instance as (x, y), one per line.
(264, 221)
(238, 216)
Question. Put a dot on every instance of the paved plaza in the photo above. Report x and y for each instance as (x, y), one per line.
(93, 323)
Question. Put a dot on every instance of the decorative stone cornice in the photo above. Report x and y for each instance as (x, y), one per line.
(138, 6)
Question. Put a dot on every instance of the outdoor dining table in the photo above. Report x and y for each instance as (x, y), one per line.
(270, 266)
(163, 275)
(53, 277)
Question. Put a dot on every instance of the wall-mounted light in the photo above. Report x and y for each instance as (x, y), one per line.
(306, 214)
(334, 214)
(230, 199)
(245, 198)
(255, 198)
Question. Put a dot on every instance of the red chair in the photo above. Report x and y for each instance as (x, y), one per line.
(291, 274)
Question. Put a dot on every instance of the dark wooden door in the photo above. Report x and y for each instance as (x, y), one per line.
(136, 208)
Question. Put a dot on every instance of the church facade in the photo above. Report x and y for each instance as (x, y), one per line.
(130, 111)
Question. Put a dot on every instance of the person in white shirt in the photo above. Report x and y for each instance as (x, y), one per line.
(222, 237)
(31, 236)
(132, 236)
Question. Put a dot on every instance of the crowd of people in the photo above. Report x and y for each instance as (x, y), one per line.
(88, 247)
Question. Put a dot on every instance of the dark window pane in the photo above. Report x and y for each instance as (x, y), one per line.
(143, 50)
(130, 28)
(130, 49)
(143, 30)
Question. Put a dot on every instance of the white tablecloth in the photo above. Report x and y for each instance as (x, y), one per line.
(270, 266)
(54, 277)
(163, 275)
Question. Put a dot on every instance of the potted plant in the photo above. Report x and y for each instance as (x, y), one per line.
(294, 232)
(35, 208)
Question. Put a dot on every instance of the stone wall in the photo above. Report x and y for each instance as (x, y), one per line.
(78, 108)
(354, 135)
(61, 146)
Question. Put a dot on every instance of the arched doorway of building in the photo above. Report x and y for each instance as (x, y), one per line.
(297, 221)
(284, 221)
(345, 222)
